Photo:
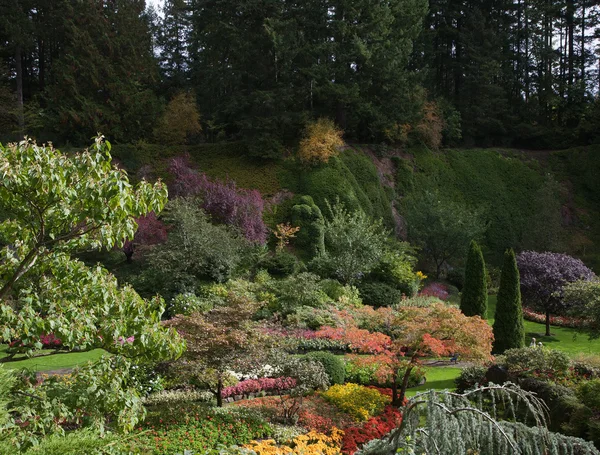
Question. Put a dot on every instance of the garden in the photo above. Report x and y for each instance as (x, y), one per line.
(195, 317)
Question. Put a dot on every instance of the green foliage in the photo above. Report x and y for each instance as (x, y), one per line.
(354, 244)
(86, 441)
(344, 295)
(379, 294)
(502, 186)
(188, 303)
(405, 179)
(473, 300)
(396, 269)
(195, 250)
(584, 298)
(179, 121)
(334, 366)
(307, 317)
(509, 332)
(280, 264)
(352, 178)
(525, 361)
(470, 377)
(297, 291)
(58, 205)
(308, 217)
(442, 227)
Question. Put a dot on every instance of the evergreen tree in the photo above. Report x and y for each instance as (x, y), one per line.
(474, 299)
(508, 324)
(172, 40)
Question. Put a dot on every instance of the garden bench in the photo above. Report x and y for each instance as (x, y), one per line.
(454, 358)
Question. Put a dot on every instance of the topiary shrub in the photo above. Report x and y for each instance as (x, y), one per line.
(333, 365)
(474, 298)
(509, 332)
(379, 294)
(308, 217)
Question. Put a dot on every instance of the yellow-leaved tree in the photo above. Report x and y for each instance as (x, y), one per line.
(321, 141)
(180, 120)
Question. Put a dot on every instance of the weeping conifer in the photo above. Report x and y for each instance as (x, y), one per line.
(508, 324)
(474, 300)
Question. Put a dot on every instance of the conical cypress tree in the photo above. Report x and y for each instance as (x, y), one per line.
(508, 325)
(473, 301)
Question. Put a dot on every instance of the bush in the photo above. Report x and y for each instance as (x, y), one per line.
(524, 361)
(456, 277)
(186, 304)
(405, 179)
(306, 317)
(343, 295)
(379, 294)
(321, 141)
(180, 120)
(470, 377)
(360, 402)
(297, 291)
(333, 365)
(366, 374)
(280, 264)
(396, 269)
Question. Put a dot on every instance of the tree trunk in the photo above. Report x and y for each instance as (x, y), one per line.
(547, 323)
(395, 388)
(405, 379)
(220, 393)
(19, 70)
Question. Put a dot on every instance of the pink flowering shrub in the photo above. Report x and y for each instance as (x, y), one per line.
(249, 386)
(224, 201)
(437, 290)
(50, 340)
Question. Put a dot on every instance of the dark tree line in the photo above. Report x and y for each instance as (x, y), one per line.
(517, 72)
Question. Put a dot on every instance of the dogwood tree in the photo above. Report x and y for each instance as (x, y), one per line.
(55, 205)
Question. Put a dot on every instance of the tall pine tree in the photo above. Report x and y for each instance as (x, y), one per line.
(508, 324)
(474, 299)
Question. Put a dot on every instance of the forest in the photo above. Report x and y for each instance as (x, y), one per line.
(327, 227)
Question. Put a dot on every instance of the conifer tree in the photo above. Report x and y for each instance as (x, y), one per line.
(473, 301)
(508, 325)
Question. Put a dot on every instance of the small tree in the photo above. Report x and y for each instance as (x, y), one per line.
(150, 231)
(583, 297)
(508, 323)
(180, 120)
(474, 298)
(219, 341)
(543, 276)
(442, 227)
(354, 244)
(321, 141)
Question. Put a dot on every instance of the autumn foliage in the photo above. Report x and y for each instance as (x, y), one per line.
(321, 141)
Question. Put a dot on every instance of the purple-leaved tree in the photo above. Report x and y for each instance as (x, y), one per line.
(543, 276)
(224, 201)
(150, 231)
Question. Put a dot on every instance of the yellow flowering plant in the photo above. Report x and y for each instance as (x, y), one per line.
(311, 443)
(359, 401)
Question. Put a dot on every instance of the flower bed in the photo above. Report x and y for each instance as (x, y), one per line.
(437, 290)
(374, 428)
(253, 386)
(312, 443)
(560, 321)
(173, 430)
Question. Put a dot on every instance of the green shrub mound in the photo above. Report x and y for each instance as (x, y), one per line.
(281, 264)
(308, 217)
(377, 294)
(333, 365)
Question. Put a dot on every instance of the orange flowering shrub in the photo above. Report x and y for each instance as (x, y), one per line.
(358, 340)
(312, 443)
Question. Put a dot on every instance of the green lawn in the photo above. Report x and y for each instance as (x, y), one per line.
(52, 362)
(564, 339)
(438, 378)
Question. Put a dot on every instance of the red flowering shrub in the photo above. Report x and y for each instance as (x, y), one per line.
(374, 428)
(358, 340)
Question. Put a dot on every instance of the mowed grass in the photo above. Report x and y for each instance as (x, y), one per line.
(570, 341)
(52, 362)
(438, 378)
